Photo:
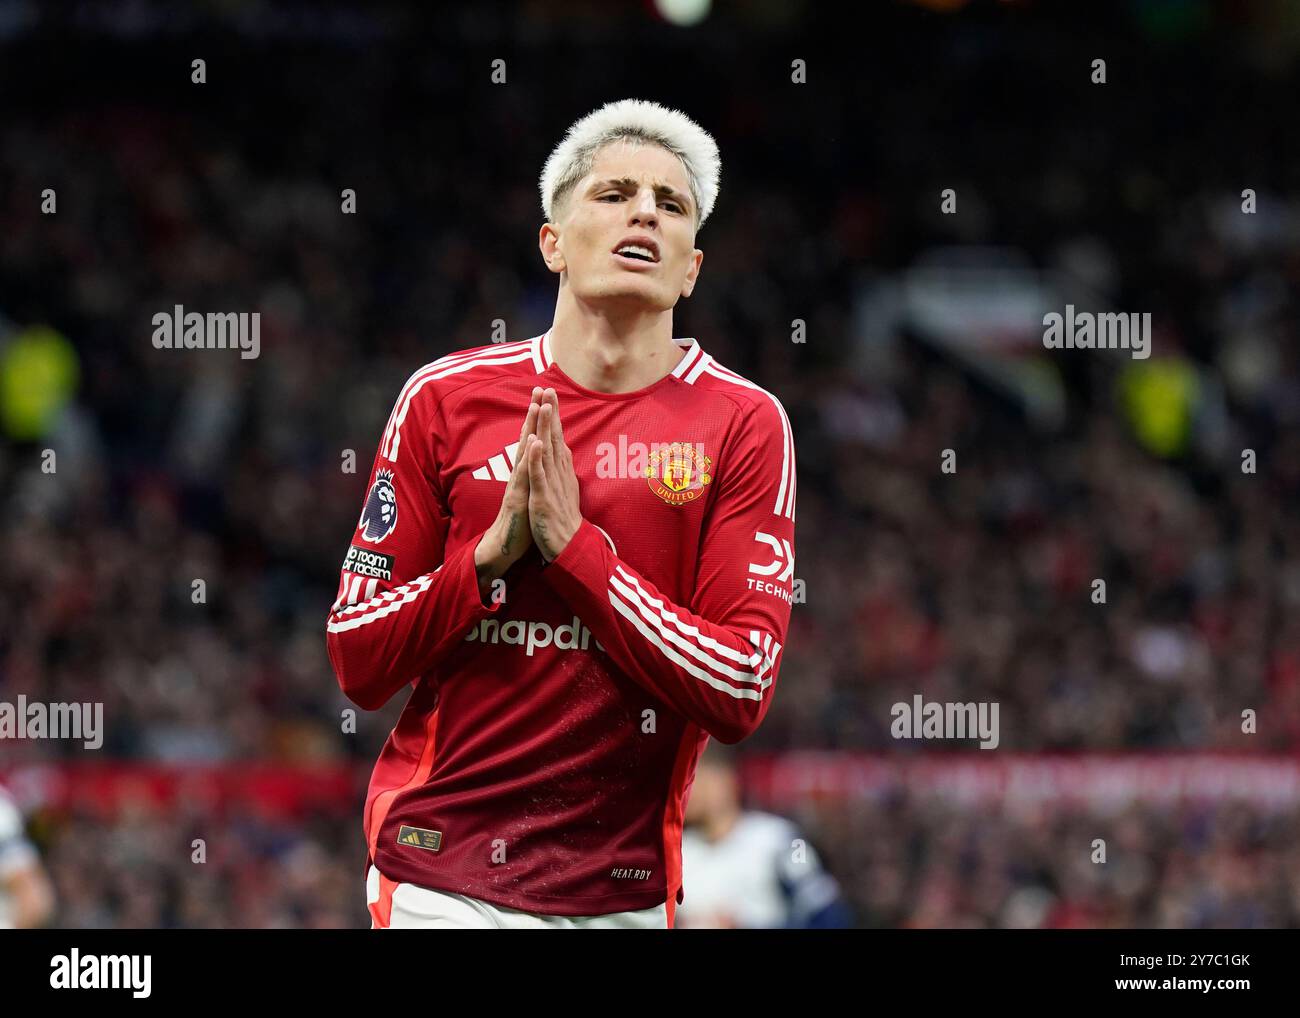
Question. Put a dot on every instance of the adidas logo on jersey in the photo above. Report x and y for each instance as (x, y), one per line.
(498, 467)
(418, 837)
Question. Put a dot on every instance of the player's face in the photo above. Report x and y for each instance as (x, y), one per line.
(601, 213)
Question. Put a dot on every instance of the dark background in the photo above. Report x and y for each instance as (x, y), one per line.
(223, 719)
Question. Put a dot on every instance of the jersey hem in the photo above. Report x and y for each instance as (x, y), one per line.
(543, 904)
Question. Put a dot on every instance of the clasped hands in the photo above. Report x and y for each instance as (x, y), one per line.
(540, 505)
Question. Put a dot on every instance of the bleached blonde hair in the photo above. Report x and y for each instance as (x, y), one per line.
(641, 121)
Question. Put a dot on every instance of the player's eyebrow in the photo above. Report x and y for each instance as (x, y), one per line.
(631, 184)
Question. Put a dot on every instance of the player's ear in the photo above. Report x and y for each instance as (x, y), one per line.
(692, 272)
(548, 242)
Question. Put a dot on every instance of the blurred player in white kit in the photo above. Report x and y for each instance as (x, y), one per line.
(747, 869)
(26, 898)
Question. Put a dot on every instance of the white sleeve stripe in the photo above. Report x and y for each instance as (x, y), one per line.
(770, 650)
(690, 648)
(672, 655)
(395, 440)
(440, 362)
(492, 358)
(685, 627)
(785, 492)
(373, 601)
(787, 508)
(509, 353)
(384, 598)
(382, 606)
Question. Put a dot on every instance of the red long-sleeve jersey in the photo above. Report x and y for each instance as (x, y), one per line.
(544, 757)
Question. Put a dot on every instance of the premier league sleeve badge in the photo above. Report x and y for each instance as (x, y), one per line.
(379, 516)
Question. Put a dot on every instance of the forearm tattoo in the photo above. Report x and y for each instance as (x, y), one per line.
(511, 533)
(543, 538)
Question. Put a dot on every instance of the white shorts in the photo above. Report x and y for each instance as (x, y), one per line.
(395, 906)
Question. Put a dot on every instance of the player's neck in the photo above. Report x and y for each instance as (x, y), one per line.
(608, 351)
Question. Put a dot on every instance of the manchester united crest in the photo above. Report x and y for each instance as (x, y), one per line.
(677, 473)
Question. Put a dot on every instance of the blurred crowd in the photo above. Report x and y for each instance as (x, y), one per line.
(148, 867)
(909, 863)
(901, 862)
(977, 585)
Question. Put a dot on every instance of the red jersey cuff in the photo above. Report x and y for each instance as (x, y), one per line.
(468, 579)
(579, 564)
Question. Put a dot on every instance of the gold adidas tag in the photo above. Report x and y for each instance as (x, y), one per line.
(418, 837)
